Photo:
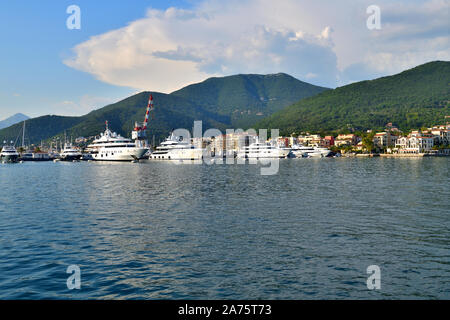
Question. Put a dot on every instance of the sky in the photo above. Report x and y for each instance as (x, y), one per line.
(124, 47)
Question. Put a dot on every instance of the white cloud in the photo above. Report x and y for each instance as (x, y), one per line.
(310, 75)
(84, 105)
(322, 40)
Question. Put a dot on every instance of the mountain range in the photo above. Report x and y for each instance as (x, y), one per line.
(226, 102)
(411, 99)
(18, 117)
(414, 98)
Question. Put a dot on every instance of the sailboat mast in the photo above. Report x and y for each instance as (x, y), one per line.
(23, 135)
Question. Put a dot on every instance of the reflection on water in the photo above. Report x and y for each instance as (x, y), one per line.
(158, 230)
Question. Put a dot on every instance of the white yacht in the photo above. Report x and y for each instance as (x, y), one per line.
(263, 150)
(9, 154)
(319, 152)
(70, 153)
(302, 151)
(174, 148)
(113, 147)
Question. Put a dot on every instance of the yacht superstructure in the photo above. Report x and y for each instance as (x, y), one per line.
(174, 148)
(303, 151)
(262, 150)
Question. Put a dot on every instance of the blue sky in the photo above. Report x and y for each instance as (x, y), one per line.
(125, 47)
(33, 78)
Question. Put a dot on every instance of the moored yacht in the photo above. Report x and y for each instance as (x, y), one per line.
(111, 146)
(263, 150)
(174, 148)
(70, 153)
(319, 152)
(302, 151)
(9, 154)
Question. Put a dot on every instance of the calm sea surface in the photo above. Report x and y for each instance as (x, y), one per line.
(161, 230)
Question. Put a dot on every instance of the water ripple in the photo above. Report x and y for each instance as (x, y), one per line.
(161, 230)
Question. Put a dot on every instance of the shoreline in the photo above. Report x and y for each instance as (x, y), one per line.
(395, 155)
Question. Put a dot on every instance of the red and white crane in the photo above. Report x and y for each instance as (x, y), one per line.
(140, 129)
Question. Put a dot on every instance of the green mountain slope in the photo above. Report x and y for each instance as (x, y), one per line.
(170, 113)
(248, 98)
(213, 101)
(38, 129)
(411, 99)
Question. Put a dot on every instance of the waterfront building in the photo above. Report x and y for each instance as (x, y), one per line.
(391, 127)
(346, 140)
(327, 142)
(441, 135)
(310, 140)
(230, 143)
(282, 142)
(360, 146)
(292, 141)
(385, 139)
(237, 140)
(415, 142)
(218, 145)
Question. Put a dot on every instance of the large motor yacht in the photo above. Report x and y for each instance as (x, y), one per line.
(113, 147)
(262, 150)
(300, 151)
(174, 148)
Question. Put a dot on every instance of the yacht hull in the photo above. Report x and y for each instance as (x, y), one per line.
(179, 154)
(9, 158)
(319, 154)
(70, 157)
(271, 155)
(120, 154)
(35, 159)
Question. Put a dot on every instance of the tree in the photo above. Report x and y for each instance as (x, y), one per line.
(367, 141)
